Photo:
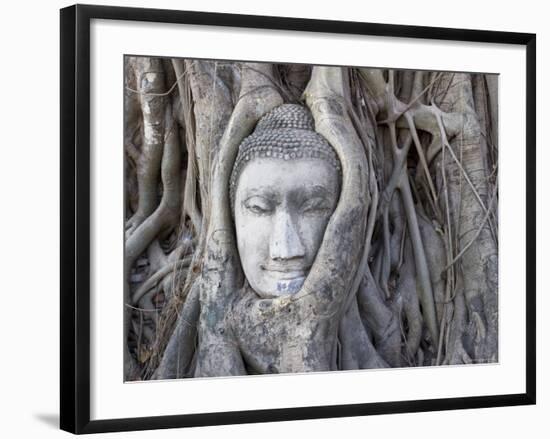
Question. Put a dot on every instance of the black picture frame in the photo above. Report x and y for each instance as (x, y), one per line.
(75, 217)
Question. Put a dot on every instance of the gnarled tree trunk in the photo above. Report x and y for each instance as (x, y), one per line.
(407, 271)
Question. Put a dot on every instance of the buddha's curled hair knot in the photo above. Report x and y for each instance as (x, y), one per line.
(287, 133)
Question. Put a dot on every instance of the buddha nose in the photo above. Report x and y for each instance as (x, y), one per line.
(285, 239)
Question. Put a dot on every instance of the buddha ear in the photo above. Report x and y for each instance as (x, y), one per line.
(335, 274)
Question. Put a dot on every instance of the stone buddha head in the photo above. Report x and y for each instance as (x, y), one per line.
(284, 187)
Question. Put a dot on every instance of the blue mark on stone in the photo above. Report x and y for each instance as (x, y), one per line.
(290, 287)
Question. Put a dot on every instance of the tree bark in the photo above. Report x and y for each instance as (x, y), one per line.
(407, 273)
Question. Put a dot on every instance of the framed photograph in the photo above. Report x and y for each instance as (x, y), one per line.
(273, 218)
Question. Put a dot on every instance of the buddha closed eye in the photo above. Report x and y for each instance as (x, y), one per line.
(281, 206)
(303, 200)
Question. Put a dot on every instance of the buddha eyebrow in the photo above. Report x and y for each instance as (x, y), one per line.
(262, 191)
(318, 190)
(312, 192)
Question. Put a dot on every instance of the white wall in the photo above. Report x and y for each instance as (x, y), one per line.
(29, 183)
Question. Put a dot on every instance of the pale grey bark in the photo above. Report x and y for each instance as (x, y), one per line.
(407, 272)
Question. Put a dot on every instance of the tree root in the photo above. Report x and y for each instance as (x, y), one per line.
(168, 209)
(357, 351)
(150, 77)
(380, 320)
(218, 353)
(407, 290)
(395, 281)
(153, 281)
(180, 350)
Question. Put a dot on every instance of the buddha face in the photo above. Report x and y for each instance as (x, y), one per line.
(281, 211)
